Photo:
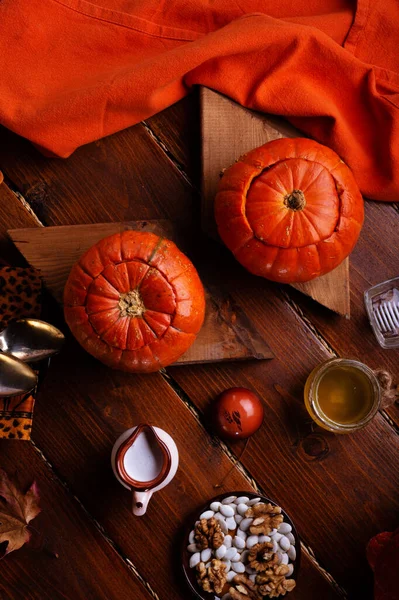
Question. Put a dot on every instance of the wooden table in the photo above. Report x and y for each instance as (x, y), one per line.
(340, 490)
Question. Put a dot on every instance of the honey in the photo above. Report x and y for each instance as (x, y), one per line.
(342, 395)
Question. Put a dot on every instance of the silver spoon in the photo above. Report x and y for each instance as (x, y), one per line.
(31, 340)
(15, 376)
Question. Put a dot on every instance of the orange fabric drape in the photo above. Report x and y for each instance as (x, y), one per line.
(72, 71)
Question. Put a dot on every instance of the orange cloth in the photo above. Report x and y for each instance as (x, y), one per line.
(72, 71)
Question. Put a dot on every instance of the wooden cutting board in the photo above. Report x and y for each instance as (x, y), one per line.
(228, 131)
(227, 333)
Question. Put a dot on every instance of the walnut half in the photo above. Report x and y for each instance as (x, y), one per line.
(266, 517)
(244, 589)
(213, 578)
(273, 583)
(208, 534)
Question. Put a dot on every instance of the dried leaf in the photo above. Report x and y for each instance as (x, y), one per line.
(16, 511)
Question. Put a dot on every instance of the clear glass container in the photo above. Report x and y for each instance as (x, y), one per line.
(342, 395)
(382, 305)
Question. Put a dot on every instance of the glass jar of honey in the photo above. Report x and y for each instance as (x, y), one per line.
(342, 395)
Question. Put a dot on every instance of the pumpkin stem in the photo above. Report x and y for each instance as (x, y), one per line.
(131, 304)
(295, 201)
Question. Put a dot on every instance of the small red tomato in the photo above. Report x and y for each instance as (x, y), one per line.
(237, 413)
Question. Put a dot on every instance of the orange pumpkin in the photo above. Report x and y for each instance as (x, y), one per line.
(134, 301)
(289, 210)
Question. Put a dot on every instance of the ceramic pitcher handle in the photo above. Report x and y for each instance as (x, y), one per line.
(140, 502)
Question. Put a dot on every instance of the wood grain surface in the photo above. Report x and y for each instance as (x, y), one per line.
(339, 490)
(229, 131)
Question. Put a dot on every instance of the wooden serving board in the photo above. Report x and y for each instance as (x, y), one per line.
(227, 333)
(229, 131)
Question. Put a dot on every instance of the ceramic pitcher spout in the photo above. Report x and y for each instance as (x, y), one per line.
(140, 502)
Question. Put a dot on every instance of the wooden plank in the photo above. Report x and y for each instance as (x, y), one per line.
(14, 214)
(298, 352)
(343, 485)
(127, 174)
(93, 406)
(88, 408)
(375, 259)
(227, 333)
(168, 125)
(87, 567)
(229, 131)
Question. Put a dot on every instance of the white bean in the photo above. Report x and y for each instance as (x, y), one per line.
(236, 557)
(245, 524)
(228, 564)
(231, 524)
(229, 500)
(241, 534)
(230, 553)
(238, 567)
(284, 543)
(279, 557)
(273, 532)
(238, 519)
(244, 556)
(292, 553)
(241, 500)
(221, 551)
(192, 548)
(208, 514)
(253, 501)
(276, 536)
(242, 509)
(195, 560)
(284, 559)
(252, 540)
(215, 506)
(239, 542)
(275, 546)
(253, 577)
(230, 576)
(285, 528)
(233, 507)
(291, 570)
(223, 527)
(191, 538)
(206, 555)
(263, 539)
(228, 541)
(226, 510)
(290, 536)
(208, 564)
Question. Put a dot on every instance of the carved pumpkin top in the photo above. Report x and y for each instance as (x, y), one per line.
(134, 301)
(289, 210)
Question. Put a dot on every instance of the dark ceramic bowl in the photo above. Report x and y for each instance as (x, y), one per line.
(190, 573)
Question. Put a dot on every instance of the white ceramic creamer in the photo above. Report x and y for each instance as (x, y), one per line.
(144, 459)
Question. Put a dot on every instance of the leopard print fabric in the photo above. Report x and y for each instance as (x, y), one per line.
(20, 294)
(20, 297)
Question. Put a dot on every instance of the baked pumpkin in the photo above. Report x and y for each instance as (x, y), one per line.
(134, 301)
(289, 210)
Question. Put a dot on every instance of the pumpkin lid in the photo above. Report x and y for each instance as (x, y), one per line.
(293, 204)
